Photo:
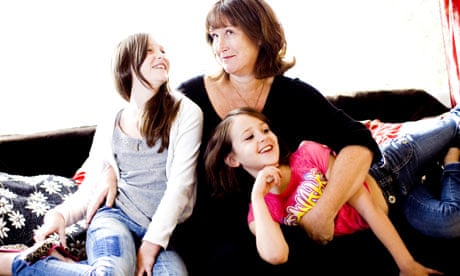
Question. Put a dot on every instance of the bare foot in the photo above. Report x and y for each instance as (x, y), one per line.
(452, 155)
(6, 260)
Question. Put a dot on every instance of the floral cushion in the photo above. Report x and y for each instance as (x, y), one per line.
(24, 200)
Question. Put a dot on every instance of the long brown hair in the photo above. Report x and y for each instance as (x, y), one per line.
(161, 110)
(221, 177)
(260, 23)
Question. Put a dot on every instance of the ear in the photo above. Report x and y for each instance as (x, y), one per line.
(231, 160)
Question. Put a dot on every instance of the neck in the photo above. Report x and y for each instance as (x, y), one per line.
(246, 83)
(248, 90)
(140, 94)
(134, 107)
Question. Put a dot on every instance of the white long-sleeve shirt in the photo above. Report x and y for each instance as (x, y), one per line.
(180, 195)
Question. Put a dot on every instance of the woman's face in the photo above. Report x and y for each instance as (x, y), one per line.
(234, 51)
(254, 145)
(155, 67)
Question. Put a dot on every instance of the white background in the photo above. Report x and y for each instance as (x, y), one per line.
(55, 55)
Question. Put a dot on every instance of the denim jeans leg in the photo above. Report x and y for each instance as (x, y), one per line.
(49, 266)
(110, 244)
(169, 263)
(423, 143)
(442, 212)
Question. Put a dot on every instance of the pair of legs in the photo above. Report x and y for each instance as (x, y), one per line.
(111, 249)
(406, 159)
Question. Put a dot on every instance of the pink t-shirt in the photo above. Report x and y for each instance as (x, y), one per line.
(308, 169)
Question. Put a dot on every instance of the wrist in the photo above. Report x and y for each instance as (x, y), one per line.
(54, 215)
(255, 196)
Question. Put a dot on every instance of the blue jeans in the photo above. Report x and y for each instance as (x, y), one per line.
(111, 248)
(405, 160)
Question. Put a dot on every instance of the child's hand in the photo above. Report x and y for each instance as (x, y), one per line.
(53, 222)
(268, 179)
(415, 269)
(105, 194)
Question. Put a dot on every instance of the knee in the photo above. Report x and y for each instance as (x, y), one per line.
(170, 263)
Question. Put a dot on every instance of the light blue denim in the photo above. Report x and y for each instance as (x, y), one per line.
(405, 160)
(111, 248)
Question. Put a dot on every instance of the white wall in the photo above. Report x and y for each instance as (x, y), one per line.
(55, 55)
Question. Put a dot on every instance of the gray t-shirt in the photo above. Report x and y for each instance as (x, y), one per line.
(142, 176)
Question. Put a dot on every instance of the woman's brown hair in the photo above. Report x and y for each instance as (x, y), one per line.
(259, 22)
(161, 110)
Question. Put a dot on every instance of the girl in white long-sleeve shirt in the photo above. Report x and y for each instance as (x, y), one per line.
(152, 144)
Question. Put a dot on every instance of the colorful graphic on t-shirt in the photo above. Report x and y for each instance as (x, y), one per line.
(307, 194)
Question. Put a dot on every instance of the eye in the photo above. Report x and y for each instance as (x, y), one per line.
(265, 128)
(249, 137)
(213, 35)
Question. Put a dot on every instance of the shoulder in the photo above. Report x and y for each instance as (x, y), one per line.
(108, 118)
(304, 100)
(285, 81)
(188, 108)
(312, 147)
(294, 89)
(194, 84)
(312, 153)
(195, 89)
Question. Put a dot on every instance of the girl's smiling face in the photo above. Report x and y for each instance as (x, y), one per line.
(155, 68)
(254, 145)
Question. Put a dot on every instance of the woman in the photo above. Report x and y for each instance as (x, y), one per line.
(249, 44)
(152, 143)
(286, 189)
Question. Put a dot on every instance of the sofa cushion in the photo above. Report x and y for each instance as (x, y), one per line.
(390, 105)
(58, 152)
(24, 200)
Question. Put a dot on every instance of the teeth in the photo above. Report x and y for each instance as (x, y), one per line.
(160, 66)
(265, 149)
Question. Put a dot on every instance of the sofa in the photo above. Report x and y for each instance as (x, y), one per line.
(31, 164)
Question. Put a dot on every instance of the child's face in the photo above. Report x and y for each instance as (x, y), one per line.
(254, 144)
(155, 67)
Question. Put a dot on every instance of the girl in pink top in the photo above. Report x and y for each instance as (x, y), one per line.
(308, 165)
(284, 191)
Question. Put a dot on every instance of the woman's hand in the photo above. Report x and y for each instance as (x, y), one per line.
(323, 232)
(146, 257)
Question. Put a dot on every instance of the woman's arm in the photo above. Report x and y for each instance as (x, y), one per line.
(271, 245)
(312, 117)
(346, 176)
(387, 234)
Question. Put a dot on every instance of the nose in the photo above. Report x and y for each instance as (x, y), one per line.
(261, 137)
(220, 45)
